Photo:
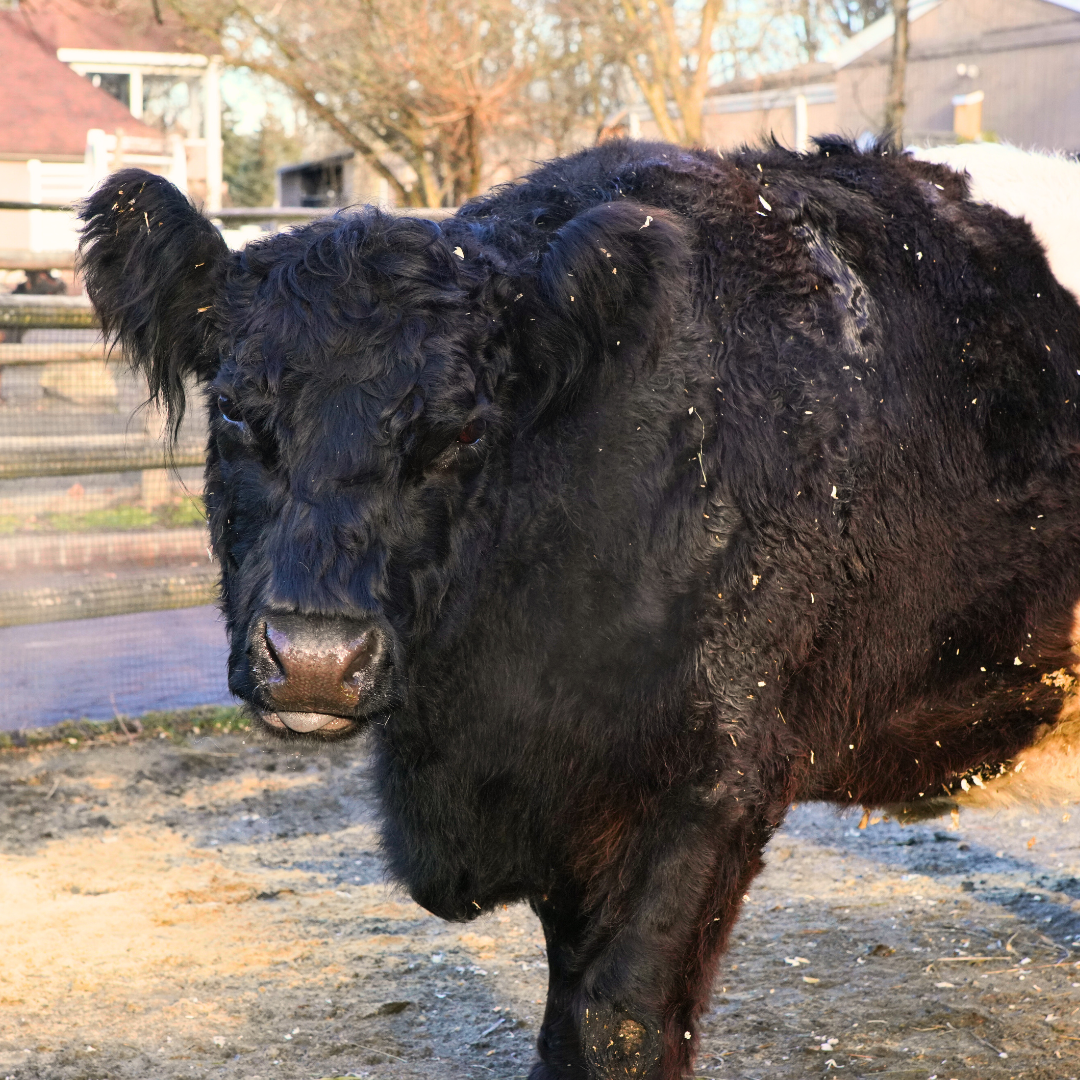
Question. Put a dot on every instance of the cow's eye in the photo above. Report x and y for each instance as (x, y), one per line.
(472, 431)
(229, 409)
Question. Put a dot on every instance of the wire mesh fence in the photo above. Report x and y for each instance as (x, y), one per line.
(106, 585)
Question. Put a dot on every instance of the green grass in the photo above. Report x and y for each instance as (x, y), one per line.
(176, 726)
(188, 511)
(185, 511)
(115, 517)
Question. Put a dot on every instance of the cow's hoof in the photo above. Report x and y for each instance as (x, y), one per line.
(617, 1045)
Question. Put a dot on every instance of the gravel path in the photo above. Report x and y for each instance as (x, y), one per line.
(217, 909)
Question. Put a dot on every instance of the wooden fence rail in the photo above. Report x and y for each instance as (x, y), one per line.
(78, 455)
(23, 259)
(46, 313)
(138, 590)
(53, 352)
(135, 587)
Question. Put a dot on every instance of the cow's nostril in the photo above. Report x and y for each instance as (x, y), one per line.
(358, 669)
(276, 644)
(318, 664)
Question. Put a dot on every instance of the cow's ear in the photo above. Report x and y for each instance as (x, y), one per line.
(151, 264)
(613, 276)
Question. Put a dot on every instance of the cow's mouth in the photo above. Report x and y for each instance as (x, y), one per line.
(314, 674)
(310, 723)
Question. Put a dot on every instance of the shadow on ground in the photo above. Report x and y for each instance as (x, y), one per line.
(217, 908)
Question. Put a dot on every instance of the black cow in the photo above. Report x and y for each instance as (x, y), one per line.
(621, 509)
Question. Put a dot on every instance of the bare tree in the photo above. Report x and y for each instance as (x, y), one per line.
(851, 16)
(895, 99)
(433, 93)
(810, 17)
(675, 51)
(414, 86)
(669, 52)
(580, 82)
(823, 22)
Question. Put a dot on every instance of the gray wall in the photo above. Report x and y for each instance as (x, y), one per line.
(1028, 58)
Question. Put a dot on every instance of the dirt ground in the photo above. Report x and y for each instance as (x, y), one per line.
(216, 907)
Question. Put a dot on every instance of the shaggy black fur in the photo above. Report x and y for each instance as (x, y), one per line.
(670, 488)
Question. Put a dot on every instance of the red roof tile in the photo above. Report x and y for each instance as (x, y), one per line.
(108, 24)
(47, 108)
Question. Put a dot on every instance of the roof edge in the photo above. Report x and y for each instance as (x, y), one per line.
(878, 31)
(882, 29)
(133, 57)
(339, 156)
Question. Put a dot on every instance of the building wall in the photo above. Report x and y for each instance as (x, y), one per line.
(364, 185)
(14, 187)
(733, 120)
(33, 180)
(171, 96)
(63, 183)
(348, 175)
(1027, 55)
(728, 130)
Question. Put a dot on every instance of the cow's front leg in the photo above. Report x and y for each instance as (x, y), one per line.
(631, 971)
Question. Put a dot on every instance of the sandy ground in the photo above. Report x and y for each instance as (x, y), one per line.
(217, 908)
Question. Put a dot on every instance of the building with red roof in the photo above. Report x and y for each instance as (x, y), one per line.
(88, 89)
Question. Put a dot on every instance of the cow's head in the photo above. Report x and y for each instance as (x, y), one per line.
(367, 378)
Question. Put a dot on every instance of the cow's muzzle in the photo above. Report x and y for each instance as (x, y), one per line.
(315, 672)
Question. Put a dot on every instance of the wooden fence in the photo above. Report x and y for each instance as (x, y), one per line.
(119, 566)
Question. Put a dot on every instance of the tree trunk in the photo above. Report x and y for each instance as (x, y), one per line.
(809, 21)
(476, 161)
(894, 102)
